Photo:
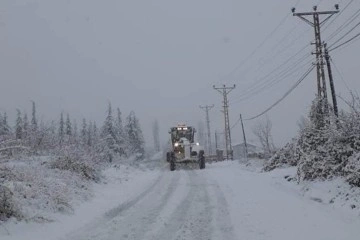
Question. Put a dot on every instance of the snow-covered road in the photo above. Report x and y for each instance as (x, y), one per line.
(224, 201)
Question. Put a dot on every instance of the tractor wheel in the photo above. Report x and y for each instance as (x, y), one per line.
(172, 161)
(201, 159)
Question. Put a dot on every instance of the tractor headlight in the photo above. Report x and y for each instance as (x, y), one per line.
(197, 144)
(176, 144)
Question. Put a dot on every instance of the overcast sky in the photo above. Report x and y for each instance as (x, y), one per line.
(161, 58)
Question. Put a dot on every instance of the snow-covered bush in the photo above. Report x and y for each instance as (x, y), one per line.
(48, 165)
(326, 147)
(286, 156)
(75, 165)
(38, 190)
(7, 207)
(352, 170)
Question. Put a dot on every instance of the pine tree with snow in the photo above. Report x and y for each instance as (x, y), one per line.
(4, 126)
(120, 134)
(34, 124)
(61, 131)
(135, 136)
(83, 133)
(89, 134)
(26, 126)
(108, 137)
(18, 126)
(68, 131)
(75, 134)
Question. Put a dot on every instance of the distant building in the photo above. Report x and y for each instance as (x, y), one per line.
(239, 150)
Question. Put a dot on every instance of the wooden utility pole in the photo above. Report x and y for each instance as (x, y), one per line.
(243, 130)
(331, 80)
(316, 24)
(207, 109)
(224, 90)
(216, 141)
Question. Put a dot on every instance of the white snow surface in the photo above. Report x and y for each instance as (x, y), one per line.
(227, 200)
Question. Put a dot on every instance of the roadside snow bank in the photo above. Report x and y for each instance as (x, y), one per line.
(270, 205)
(38, 191)
(119, 185)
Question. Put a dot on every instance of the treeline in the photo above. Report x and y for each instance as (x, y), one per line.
(327, 146)
(65, 136)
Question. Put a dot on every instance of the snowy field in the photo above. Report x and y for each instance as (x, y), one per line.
(227, 200)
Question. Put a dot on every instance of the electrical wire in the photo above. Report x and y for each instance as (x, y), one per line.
(344, 25)
(273, 74)
(277, 54)
(347, 33)
(242, 63)
(341, 76)
(273, 80)
(338, 15)
(285, 95)
(234, 125)
(271, 84)
(346, 42)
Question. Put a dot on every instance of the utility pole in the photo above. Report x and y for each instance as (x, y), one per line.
(331, 79)
(207, 108)
(243, 130)
(216, 141)
(316, 24)
(224, 90)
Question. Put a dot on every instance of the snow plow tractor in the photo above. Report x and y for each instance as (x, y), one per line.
(183, 149)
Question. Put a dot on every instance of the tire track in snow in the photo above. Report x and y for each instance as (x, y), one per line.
(135, 223)
(223, 224)
(101, 222)
(193, 215)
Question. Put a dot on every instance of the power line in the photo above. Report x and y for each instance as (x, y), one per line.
(346, 42)
(280, 66)
(341, 76)
(271, 58)
(347, 33)
(344, 25)
(242, 63)
(271, 79)
(285, 95)
(265, 79)
(271, 84)
(338, 15)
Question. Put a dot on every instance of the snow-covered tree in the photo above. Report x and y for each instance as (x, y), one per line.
(68, 130)
(120, 134)
(108, 136)
(135, 136)
(83, 133)
(75, 134)
(4, 126)
(34, 124)
(90, 140)
(19, 125)
(61, 131)
(26, 126)
(262, 130)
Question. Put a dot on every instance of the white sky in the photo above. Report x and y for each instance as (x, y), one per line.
(160, 58)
